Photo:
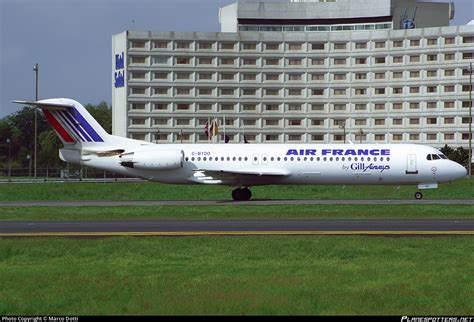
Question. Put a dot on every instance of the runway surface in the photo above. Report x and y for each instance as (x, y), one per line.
(257, 202)
(235, 227)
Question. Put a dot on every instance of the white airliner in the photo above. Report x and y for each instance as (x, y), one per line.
(244, 165)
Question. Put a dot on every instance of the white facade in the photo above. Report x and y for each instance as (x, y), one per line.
(396, 86)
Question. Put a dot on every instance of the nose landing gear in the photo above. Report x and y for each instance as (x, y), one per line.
(418, 195)
(241, 194)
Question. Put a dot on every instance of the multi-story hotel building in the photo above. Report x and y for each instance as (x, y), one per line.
(304, 72)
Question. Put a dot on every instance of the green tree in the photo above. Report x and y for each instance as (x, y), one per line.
(458, 155)
(102, 114)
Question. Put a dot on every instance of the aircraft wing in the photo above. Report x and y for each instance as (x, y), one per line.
(237, 177)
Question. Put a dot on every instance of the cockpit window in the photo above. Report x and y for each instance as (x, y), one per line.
(435, 157)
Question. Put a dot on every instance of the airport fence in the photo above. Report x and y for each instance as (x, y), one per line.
(63, 174)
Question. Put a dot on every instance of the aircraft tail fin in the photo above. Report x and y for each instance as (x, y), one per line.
(71, 121)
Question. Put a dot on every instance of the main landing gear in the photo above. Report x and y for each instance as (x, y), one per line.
(418, 195)
(241, 194)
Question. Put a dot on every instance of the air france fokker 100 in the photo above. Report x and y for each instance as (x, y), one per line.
(244, 165)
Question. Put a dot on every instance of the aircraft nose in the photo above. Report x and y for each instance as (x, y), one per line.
(458, 170)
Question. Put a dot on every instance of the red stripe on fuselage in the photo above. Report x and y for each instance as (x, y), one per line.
(58, 127)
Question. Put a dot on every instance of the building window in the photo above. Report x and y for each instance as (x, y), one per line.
(272, 122)
(249, 62)
(249, 92)
(397, 106)
(294, 92)
(380, 44)
(414, 121)
(317, 46)
(397, 122)
(227, 91)
(414, 137)
(205, 45)
(339, 107)
(160, 44)
(360, 107)
(379, 75)
(160, 75)
(379, 137)
(294, 122)
(249, 77)
(415, 74)
(294, 77)
(204, 76)
(339, 46)
(397, 137)
(318, 91)
(294, 62)
(183, 107)
(137, 44)
(183, 91)
(449, 56)
(183, 45)
(205, 91)
(183, 61)
(431, 121)
(468, 39)
(272, 46)
(380, 60)
(227, 107)
(361, 61)
(137, 60)
(204, 107)
(137, 106)
(414, 43)
(414, 90)
(449, 40)
(205, 61)
(432, 41)
(339, 61)
(360, 122)
(294, 46)
(431, 89)
(379, 122)
(379, 91)
(467, 55)
(433, 57)
(271, 137)
(379, 106)
(317, 107)
(228, 76)
(272, 107)
(249, 107)
(183, 76)
(449, 104)
(449, 136)
(361, 45)
(414, 59)
(448, 88)
(160, 106)
(360, 91)
(294, 107)
(339, 91)
(249, 46)
(414, 106)
(317, 61)
(397, 59)
(339, 76)
(294, 137)
(227, 61)
(431, 104)
(432, 73)
(138, 90)
(272, 61)
(272, 92)
(397, 43)
(397, 90)
(227, 46)
(317, 122)
(272, 77)
(317, 137)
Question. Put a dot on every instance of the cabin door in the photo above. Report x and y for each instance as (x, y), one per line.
(411, 164)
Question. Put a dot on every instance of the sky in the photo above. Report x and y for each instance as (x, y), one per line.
(71, 41)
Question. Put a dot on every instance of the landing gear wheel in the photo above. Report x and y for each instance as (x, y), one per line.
(418, 195)
(241, 194)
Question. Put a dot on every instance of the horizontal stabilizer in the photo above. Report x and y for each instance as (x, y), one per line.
(46, 105)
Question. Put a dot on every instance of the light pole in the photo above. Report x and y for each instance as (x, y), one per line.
(9, 159)
(470, 120)
(360, 135)
(36, 69)
(28, 157)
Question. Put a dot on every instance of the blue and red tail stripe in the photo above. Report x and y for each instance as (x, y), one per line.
(72, 126)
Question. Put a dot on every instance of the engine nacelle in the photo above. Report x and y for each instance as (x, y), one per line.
(153, 160)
